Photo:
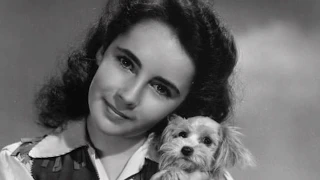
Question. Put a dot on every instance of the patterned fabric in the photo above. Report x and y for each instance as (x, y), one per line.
(71, 166)
(65, 154)
(75, 165)
(22, 152)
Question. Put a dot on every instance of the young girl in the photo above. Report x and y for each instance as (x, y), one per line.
(143, 61)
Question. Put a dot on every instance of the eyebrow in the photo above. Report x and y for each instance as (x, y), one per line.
(168, 83)
(131, 55)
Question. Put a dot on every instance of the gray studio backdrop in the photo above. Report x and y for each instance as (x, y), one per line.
(278, 84)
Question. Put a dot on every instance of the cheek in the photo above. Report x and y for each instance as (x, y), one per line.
(155, 108)
(107, 77)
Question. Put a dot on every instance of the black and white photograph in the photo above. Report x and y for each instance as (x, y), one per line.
(159, 90)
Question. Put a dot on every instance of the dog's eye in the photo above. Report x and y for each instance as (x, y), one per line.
(207, 141)
(182, 134)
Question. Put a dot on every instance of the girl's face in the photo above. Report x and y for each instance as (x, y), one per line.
(142, 77)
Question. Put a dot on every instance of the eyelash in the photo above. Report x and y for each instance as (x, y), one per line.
(167, 92)
(124, 60)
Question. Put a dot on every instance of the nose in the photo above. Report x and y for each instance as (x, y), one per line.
(128, 96)
(187, 151)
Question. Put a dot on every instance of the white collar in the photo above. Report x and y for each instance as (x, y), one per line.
(61, 141)
(73, 136)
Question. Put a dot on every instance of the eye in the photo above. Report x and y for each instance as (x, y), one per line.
(125, 63)
(182, 134)
(162, 90)
(207, 141)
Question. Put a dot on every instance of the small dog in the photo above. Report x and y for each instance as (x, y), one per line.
(199, 143)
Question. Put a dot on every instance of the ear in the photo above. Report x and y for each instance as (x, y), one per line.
(173, 118)
(231, 150)
(100, 55)
(173, 123)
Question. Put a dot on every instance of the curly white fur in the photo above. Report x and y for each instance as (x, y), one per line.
(212, 147)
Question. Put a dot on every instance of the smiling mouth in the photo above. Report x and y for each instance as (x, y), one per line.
(113, 109)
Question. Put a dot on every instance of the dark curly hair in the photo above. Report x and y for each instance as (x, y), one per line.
(200, 32)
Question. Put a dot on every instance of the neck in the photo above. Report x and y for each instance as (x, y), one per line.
(110, 145)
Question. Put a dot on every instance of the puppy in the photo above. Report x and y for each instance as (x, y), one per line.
(199, 144)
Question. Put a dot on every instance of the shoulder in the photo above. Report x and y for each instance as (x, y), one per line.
(11, 152)
(10, 148)
(19, 150)
(5, 154)
(12, 165)
(17, 159)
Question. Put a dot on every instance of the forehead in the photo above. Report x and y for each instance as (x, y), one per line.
(157, 47)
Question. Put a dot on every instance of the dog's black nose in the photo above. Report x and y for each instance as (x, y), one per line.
(187, 151)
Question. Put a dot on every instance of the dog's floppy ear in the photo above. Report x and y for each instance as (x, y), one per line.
(231, 150)
(173, 121)
(174, 117)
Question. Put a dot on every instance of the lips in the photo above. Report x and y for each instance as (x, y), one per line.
(114, 110)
